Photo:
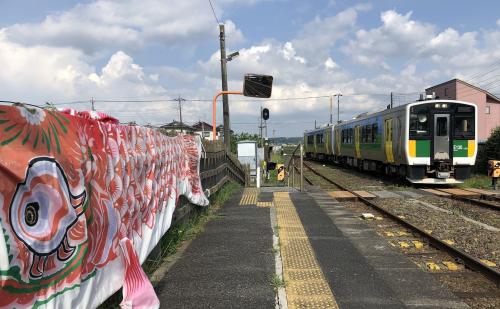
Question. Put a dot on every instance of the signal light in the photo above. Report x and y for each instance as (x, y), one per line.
(265, 114)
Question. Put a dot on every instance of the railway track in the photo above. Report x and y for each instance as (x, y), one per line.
(465, 258)
(478, 202)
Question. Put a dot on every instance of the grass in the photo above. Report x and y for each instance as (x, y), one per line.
(277, 282)
(276, 250)
(477, 181)
(174, 237)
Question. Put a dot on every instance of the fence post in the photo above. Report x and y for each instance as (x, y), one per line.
(258, 177)
(301, 168)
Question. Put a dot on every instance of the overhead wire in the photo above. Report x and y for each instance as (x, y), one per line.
(213, 11)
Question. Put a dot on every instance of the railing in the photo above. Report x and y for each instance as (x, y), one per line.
(291, 163)
(217, 166)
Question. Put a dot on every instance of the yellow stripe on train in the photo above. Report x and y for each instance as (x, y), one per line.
(471, 147)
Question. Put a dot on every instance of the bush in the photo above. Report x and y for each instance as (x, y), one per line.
(489, 151)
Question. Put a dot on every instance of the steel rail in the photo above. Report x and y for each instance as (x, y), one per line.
(468, 260)
(476, 202)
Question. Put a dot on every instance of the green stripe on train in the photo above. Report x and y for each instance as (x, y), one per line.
(423, 148)
(460, 148)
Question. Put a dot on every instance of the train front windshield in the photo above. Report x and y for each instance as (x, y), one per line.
(419, 121)
(462, 119)
(464, 122)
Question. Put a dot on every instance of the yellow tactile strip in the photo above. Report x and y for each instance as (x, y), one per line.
(264, 204)
(249, 196)
(306, 286)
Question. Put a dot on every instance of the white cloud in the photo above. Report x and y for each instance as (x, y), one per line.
(318, 36)
(36, 73)
(128, 24)
(330, 64)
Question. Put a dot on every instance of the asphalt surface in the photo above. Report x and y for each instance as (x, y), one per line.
(229, 265)
(362, 270)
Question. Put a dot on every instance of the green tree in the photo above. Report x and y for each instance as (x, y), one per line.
(489, 151)
(236, 137)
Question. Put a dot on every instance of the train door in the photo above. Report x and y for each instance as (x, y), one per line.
(441, 136)
(357, 136)
(338, 141)
(388, 140)
(327, 141)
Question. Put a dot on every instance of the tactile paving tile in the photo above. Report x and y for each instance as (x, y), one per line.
(306, 286)
(249, 196)
(264, 204)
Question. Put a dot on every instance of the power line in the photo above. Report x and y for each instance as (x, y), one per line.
(213, 11)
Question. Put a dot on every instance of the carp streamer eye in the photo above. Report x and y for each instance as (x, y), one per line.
(31, 213)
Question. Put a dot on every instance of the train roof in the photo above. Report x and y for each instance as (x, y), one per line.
(320, 129)
(402, 107)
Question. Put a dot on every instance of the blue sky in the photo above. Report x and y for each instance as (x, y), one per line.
(64, 51)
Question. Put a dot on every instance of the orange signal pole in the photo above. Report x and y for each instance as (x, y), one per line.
(214, 109)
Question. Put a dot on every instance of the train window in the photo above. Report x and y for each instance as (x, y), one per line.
(319, 138)
(310, 139)
(442, 126)
(464, 126)
(419, 121)
(465, 109)
(368, 135)
(351, 136)
(374, 132)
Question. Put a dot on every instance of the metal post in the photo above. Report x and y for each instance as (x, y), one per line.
(92, 102)
(179, 99)
(301, 168)
(391, 100)
(258, 177)
(261, 127)
(331, 109)
(338, 107)
(293, 172)
(214, 110)
(225, 101)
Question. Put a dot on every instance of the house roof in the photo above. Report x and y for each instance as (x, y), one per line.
(456, 80)
(177, 125)
(202, 125)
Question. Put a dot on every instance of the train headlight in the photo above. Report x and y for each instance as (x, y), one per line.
(436, 105)
(422, 118)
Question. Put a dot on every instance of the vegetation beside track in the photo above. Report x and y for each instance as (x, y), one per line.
(178, 235)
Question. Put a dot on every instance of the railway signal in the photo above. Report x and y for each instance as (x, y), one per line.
(265, 114)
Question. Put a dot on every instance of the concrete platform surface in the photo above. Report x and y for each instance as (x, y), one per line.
(331, 259)
(229, 265)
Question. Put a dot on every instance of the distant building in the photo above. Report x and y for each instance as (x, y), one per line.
(203, 129)
(176, 126)
(488, 105)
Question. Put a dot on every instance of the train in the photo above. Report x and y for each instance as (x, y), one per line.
(430, 141)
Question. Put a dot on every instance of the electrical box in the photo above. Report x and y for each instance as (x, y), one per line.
(280, 172)
(247, 154)
(494, 168)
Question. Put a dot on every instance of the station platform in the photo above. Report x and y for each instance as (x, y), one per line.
(327, 256)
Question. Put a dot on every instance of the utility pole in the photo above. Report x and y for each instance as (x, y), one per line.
(179, 99)
(391, 100)
(225, 102)
(92, 102)
(261, 126)
(331, 109)
(338, 95)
